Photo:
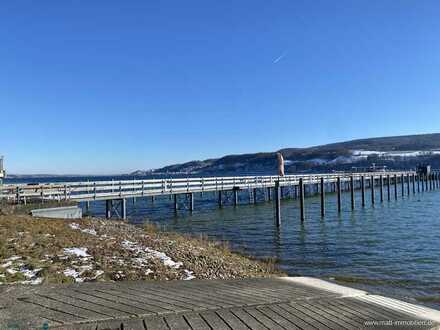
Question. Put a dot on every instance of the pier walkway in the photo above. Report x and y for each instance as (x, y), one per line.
(271, 303)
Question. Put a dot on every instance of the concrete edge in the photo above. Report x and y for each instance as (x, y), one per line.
(325, 285)
(420, 312)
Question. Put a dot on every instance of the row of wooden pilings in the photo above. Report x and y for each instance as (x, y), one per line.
(418, 182)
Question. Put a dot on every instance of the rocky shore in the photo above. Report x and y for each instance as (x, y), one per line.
(38, 251)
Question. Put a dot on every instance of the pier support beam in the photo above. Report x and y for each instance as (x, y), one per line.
(301, 199)
(395, 187)
(123, 208)
(352, 192)
(372, 189)
(255, 195)
(363, 190)
(402, 183)
(322, 186)
(381, 188)
(220, 199)
(269, 194)
(388, 188)
(338, 191)
(191, 202)
(277, 203)
(413, 177)
(408, 190)
(235, 191)
(175, 203)
(108, 208)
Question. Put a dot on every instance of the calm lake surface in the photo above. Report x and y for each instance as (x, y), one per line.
(391, 249)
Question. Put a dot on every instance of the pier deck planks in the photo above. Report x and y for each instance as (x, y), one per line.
(272, 303)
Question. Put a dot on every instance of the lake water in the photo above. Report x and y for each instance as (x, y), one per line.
(392, 248)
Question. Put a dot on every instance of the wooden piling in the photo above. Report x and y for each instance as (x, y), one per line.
(363, 190)
(175, 203)
(352, 192)
(220, 199)
(395, 186)
(402, 183)
(269, 194)
(235, 196)
(372, 189)
(278, 203)
(413, 178)
(381, 188)
(108, 208)
(408, 190)
(338, 193)
(322, 187)
(301, 199)
(418, 183)
(388, 187)
(255, 195)
(191, 202)
(124, 209)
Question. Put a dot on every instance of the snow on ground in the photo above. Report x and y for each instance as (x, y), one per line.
(79, 252)
(76, 226)
(145, 253)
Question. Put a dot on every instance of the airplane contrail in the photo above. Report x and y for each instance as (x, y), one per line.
(279, 58)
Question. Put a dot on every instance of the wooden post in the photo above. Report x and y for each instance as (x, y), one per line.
(407, 184)
(191, 202)
(413, 177)
(108, 208)
(402, 184)
(152, 199)
(322, 197)
(381, 188)
(269, 194)
(372, 190)
(235, 196)
(418, 183)
(220, 199)
(363, 190)
(87, 206)
(430, 182)
(388, 187)
(301, 199)
(278, 203)
(352, 191)
(395, 186)
(338, 188)
(124, 208)
(175, 203)
(255, 195)
(65, 192)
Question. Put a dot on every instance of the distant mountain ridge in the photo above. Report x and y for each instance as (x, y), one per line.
(399, 152)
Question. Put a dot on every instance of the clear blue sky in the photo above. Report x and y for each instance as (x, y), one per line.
(114, 86)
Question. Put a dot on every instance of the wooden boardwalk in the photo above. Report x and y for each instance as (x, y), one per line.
(278, 303)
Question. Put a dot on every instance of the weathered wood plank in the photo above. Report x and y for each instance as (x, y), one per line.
(176, 322)
(263, 319)
(155, 323)
(214, 321)
(230, 319)
(196, 322)
(247, 319)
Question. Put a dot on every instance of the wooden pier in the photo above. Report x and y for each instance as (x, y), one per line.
(270, 303)
(227, 189)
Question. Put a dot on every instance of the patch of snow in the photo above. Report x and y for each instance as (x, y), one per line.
(73, 273)
(6, 265)
(79, 252)
(147, 253)
(11, 271)
(13, 258)
(98, 273)
(76, 226)
(148, 271)
(189, 275)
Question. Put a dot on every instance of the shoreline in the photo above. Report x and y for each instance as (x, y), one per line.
(50, 251)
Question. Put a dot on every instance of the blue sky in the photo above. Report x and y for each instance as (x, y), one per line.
(113, 86)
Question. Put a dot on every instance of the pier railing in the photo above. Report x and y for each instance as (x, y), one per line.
(106, 190)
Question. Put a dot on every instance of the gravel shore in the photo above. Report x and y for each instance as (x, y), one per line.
(38, 251)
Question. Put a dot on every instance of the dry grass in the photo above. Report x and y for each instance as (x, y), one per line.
(33, 250)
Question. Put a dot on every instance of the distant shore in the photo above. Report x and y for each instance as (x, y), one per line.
(38, 251)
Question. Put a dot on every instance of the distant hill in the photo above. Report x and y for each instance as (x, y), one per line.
(397, 152)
